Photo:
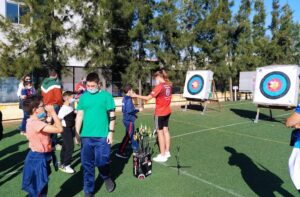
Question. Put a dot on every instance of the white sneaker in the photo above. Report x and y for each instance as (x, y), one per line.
(160, 158)
(168, 154)
(67, 169)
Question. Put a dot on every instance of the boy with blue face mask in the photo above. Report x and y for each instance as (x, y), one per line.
(95, 122)
(67, 116)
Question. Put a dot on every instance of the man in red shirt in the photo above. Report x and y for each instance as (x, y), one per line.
(163, 95)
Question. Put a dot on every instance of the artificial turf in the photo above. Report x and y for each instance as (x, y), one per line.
(220, 154)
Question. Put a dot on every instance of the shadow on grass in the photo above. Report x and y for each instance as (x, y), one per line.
(12, 165)
(252, 114)
(259, 179)
(11, 133)
(72, 186)
(195, 107)
(11, 149)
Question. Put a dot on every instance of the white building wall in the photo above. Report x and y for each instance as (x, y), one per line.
(3, 7)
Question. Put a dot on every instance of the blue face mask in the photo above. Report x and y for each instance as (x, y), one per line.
(71, 100)
(93, 91)
(42, 115)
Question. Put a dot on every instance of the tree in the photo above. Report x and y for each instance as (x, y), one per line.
(213, 38)
(103, 36)
(273, 49)
(296, 43)
(91, 32)
(284, 38)
(37, 43)
(166, 35)
(140, 34)
(259, 38)
(190, 14)
(244, 51)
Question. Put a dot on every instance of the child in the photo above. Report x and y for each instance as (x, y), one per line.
(129, 116)
(294, 160)
(27, 91)
(37, 166)
(163, 95)
(67, 116)
(95, 123)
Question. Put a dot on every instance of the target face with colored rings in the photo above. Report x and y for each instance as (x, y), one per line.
(275, 85)
(195, 84)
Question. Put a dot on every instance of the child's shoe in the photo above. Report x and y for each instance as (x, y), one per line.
(160, 158)
(110, 185)
(168, 154)
(66, 169)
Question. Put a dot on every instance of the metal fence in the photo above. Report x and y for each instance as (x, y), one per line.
(8, 89)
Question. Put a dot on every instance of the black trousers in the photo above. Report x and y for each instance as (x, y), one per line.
(67, 146)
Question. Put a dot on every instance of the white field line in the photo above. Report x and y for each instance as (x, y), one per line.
(238, 103)
(215, 128)
(210, 129)
(229, 191)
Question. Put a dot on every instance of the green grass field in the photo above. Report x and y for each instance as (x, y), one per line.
(225, 154)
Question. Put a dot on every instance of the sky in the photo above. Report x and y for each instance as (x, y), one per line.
(294, 5)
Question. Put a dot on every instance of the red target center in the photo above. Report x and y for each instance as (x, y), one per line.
(195, 84)
(274, 85)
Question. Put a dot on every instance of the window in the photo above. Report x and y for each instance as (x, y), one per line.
(12, 11)
(15, 11)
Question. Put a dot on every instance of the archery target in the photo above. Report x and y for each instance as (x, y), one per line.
(195, 84)
(277, 85)
(198, 84)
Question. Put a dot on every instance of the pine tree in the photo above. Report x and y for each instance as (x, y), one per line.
(140, 34)
(259, 38)
(122, 13)
(91, 33)
(244, 52)
(103, 37)
(37, 42)
(284, 39)
(166, 35)
(190, 14)
(296, 43)
(273, 51)
(213, 37)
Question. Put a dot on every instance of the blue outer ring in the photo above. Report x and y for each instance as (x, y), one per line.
(190, 82)
(286, 83)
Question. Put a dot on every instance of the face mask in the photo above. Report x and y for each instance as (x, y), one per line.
(156, 82)
(71, 100)
(41, 115)
(93, 91)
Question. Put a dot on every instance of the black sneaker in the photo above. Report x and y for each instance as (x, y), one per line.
(110, 185)
(88, 195)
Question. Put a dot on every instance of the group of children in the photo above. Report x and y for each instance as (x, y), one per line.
(95, 125)
(94, 122)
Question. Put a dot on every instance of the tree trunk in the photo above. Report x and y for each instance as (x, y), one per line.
(230, 89)
(140, 92)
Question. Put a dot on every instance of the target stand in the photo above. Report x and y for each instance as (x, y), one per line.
(276, 88)
(204, 102)
(286, 108)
